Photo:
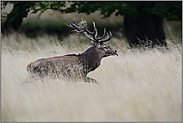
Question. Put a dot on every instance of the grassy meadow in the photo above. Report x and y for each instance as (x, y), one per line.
(136, 86)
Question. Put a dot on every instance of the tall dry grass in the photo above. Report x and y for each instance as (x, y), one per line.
(135, 86)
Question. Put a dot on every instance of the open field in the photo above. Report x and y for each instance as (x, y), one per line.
(135, 86)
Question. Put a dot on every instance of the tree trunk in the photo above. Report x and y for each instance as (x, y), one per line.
(146, 31)
(15, 17)
(15, 22)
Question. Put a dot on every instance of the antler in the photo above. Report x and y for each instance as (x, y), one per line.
(109, 36)
(81, 28)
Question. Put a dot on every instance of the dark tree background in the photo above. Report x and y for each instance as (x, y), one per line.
(143, 21)
(21, 9)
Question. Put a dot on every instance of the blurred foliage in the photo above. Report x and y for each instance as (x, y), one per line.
(21, 9)
(36, 27)
(33, 26)
(171, 10)
(168, 10)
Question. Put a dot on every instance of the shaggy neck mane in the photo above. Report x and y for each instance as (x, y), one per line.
(91, 58)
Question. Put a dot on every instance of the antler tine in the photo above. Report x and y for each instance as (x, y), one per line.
(73, 25)
(95, 30)
(81, 28)
(75, 21)
(85, 28)
(108, 37)
(103, 35)
(85, 33)
(93, 34)
(79, 31)
(69, 25)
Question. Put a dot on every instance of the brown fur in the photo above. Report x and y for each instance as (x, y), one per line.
(70, 66)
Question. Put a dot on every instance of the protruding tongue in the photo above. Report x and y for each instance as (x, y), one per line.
(116, 52)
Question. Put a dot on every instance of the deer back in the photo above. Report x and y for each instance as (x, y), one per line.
(68, 65)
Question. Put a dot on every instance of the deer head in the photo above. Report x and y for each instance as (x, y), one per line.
(97, 42)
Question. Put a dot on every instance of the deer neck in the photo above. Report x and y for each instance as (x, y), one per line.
(91, 59)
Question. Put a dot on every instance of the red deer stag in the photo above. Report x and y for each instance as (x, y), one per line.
(74, 66)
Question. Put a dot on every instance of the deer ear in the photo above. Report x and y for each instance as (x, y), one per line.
(95, 44)
(98, 45)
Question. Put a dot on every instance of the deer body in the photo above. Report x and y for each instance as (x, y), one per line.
(73, 66)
